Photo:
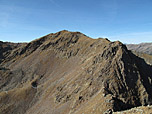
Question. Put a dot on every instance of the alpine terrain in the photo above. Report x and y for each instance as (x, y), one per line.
(71, 73)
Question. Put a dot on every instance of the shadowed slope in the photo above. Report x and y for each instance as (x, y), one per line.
(143, 50)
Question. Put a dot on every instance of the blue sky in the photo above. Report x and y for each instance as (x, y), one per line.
(129, 21)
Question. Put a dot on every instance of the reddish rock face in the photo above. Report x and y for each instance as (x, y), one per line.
(68, 72)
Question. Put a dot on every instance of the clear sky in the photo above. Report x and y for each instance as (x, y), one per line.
(129, 21)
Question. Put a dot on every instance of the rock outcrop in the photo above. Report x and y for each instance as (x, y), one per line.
(70, 73)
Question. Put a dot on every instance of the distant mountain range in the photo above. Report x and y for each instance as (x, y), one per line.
(141, 48)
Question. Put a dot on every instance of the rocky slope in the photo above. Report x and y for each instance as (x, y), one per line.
(70, 73)
(146, 57)
(137, 110)
(143, 50)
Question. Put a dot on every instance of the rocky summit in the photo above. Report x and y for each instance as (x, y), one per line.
(71, 73)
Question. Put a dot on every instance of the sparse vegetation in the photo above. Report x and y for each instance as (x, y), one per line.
(70, 73)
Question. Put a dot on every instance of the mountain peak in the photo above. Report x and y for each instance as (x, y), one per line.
(72, 73)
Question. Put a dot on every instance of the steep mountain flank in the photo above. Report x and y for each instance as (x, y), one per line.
(6, 48)
(146, 57)
(143, 50)
(70, 73)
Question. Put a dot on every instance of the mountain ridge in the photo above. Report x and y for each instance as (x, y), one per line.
(68, 72)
